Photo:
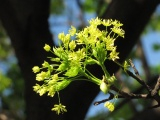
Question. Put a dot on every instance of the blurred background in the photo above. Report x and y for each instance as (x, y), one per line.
(62, 14)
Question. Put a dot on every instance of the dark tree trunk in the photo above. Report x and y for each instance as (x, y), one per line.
(26, 22)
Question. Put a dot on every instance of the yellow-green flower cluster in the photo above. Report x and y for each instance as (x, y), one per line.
(76, 50)
(101, 41)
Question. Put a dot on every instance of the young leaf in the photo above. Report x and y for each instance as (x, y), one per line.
(72, 72)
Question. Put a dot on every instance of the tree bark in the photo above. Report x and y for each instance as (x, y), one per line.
(26, 22)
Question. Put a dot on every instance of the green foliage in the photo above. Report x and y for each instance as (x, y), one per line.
(89, 46)
(90, 5)
(155, 69)
(156, 47)
(5, 47)
(5, 82)
(11, 91)
(154, 22)
(57, 6)
(11, 82)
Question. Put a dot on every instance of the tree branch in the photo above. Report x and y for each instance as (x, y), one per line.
(129, 96)
(138, 78)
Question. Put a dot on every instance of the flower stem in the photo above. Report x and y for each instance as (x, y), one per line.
(90, 77)
(105, 70)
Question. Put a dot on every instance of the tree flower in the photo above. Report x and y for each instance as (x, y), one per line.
(109, 105)
(47, 47)
(104, 87)
(36, 69)
(59, 108)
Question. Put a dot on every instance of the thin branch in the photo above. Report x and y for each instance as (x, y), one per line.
(155, 106)
(102, 101)
(134, 68)
(137, 77)
(123, 94)
(130, 96)
(156, 88)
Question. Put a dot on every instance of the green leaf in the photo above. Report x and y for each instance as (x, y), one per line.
(73, 71)
(156, 46)
(57, 7)
(91, 61)
(5, 82)
(62, 67)
(63, 84)
(90, 5)
(55, 59)
(94, 53)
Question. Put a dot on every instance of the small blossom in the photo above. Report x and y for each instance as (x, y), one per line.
(72, 31)
(109, 105)
(107, 22)
(118, 31)
(61, 36)
(36, 69)
(72, 45)
(36, 87)
(51, 91)
(42, 91)
(109, 43)
(45, 64)
(95, 22)
(41, 76)
(59, 108)
(55, 77)
(116, 23)
(114, 55)
(47, 47)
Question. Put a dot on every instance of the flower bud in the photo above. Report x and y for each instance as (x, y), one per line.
(47, 48)
(45, 64)
(36, 69)
(104, 87)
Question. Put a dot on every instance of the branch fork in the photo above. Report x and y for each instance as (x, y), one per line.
(152, 93)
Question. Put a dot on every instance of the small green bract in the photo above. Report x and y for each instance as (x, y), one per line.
(71, 58)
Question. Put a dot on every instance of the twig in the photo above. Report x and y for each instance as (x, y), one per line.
(156, 88)
(137, 77)
(153, 93)
(155, 106)
(150, 82)
(104, 100)
(122, 95)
